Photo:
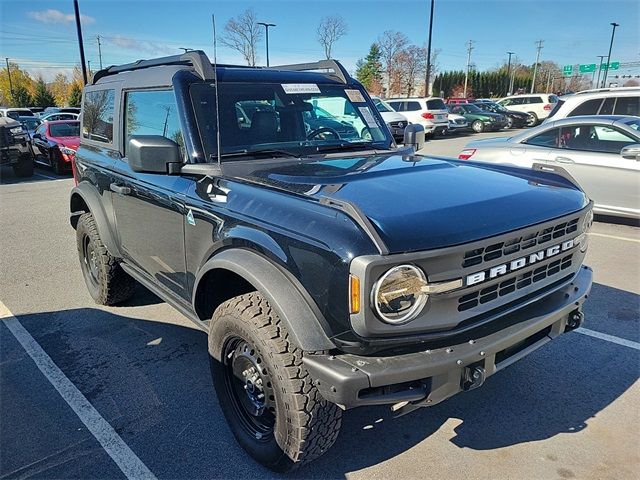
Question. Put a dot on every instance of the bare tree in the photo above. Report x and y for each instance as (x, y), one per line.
(242, 33)
(391, 43)
(330, 30)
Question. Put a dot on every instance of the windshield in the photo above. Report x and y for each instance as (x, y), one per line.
(382, 106)
(635, 124)
(30, 123)
(65, 129)
(294, 118)
(470, 108)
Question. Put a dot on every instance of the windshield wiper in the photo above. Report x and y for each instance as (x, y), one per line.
(266, 151)
(344, 146)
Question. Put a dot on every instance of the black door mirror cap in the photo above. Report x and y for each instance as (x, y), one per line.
(152, 153)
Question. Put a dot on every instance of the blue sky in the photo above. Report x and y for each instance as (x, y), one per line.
(40, 35)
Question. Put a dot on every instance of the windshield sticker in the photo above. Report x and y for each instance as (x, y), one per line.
(291, 88)
(369, 119)
(355, 96)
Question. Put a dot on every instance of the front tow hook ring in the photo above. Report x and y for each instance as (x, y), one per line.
(473, 377)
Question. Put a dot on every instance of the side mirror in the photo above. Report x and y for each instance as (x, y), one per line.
(631, 152)
(414, 136)
(152, 153)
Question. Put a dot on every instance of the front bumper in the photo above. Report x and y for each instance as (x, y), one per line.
(428, 377)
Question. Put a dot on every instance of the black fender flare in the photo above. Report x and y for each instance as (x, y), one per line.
(91, 198)
(305, 323)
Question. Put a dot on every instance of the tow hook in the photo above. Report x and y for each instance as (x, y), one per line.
(473, 377)
(575, 320)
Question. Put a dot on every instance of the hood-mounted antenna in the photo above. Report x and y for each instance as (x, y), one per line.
(215, 79)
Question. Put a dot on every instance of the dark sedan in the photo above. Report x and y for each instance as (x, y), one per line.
(55, 144)
(514, 119)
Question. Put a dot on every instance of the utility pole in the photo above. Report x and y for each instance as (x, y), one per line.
(513, 79)
(508, 72)
(466, 76)
(166, 121)
(601, 57)
(99, 50)
(9, 75)
(535, 67)
(266, 29)
(428, 74)
(613, 32)
(80, 44)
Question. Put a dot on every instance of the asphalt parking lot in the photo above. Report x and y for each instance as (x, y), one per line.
(569, 410)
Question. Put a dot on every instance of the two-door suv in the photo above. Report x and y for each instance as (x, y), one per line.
(329, 272)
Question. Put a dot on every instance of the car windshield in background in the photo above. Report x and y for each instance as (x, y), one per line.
(470, 108)
(65, 130)
(30, 123)
(298, 118)
(383, 106)
(634, 124)
(436, 104)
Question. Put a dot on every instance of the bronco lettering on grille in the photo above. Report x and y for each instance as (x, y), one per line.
(519, 263)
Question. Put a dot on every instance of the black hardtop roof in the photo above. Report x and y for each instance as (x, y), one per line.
(325, 71)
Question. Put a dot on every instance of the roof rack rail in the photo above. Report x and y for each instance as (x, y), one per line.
(608, 89)
(338, 70)
(197, 58)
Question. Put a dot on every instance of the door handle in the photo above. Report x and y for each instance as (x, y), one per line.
(563, 160)
(120, 189)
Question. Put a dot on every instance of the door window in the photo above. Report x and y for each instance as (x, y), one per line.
(412, 106)
(594, 138)
(534, 100)
(628, 106)
(548, 138)
(152, 112)
(397, 106)
(607, 106)
(97, 122)
(590, 107)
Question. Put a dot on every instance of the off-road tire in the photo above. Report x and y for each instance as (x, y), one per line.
(24, 167)
(477, 126)
(306, 425)
(112, 285)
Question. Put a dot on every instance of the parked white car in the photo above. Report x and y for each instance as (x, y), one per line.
(601, 152)
(430, 112)
(457, 123)
(394, 120)
(537, 105)
(51, 117)
(602, 101)
(15, 112)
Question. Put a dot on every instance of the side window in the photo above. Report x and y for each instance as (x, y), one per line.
(609, 140)
(97, 122)
(397, 106)
(628, 106)
(590, 107)
(545, 139)
(517, 101)
(607, 106)
(412, 106)
(152, 112)
(534, 100)
(40, 130)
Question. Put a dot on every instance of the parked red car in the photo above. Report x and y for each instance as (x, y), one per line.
(458, 100)
(55, 144)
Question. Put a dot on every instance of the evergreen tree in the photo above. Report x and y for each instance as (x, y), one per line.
(42, 96)
(75, 95)
(21, 97)
(369, 69)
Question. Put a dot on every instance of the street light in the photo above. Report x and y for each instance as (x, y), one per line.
(266, 28)
(613, 32)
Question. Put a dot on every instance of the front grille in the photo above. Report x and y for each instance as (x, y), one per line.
(534, 275)
(517, 244)
(397, 124)
(460, 121)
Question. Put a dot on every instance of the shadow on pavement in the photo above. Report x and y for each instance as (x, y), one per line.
(7, 177)
(151, 382)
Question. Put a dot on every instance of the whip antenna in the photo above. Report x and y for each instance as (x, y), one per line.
(215, 79)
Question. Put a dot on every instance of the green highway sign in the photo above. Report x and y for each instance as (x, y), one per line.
(588, 68)
(610, 66)
(567, 70)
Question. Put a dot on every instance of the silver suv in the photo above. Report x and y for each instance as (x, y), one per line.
(603, 101)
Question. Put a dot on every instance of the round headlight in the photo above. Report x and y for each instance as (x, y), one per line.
(398, 296)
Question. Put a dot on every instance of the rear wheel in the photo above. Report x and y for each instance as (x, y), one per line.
(55, 162)
(107, 283)
(477, 126)
(271, 405)
(509, 122)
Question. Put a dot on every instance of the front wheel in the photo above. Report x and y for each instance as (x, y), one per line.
(271, 404)
(532, 120)
(509, 122)
(477, 126)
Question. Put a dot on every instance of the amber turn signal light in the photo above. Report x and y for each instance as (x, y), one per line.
(354, 294)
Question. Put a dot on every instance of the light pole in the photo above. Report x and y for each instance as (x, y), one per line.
(509, 70)
(613, 32)
(428, 74)
(266, 29)
(80, 43)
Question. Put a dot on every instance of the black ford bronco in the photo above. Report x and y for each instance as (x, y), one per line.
(15, 147)
(330, 268)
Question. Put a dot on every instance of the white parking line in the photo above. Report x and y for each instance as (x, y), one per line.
(116, 448)
(609, 338)
(627, 239)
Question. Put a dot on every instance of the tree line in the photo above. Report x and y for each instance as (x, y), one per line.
(24, 91)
